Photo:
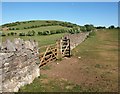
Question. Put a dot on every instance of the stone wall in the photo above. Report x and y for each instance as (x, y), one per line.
(76, 39)
(19, 64)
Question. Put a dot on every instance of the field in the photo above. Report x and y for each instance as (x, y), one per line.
(93, 67)
(42, 39)
(39, 29)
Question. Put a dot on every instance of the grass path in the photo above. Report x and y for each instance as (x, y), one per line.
(100, 53)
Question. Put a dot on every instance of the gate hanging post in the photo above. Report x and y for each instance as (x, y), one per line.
(59, 54)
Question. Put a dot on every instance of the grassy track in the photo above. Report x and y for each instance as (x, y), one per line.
(100, 54)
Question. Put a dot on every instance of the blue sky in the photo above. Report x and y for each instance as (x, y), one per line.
(96, 13)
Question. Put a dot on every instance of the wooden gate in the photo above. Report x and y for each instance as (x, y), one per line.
(65, 47)
(55, 51)
(47, 54)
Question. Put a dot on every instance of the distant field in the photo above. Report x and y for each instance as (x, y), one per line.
(23, 24)
(42, 39)
(39, 29)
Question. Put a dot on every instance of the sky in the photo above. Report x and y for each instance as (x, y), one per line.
(96, 13)
(59, 0)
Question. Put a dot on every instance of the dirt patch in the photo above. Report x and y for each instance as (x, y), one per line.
(72, 69)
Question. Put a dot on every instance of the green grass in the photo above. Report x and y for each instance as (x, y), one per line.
(100, 55)
(34, 22)
(45, 84)
(39, 29)
(96, 42)
(42, 40)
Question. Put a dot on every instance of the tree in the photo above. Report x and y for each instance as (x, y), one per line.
(118, 27)
(83, 28)
(111, 27)
(100, 27)
(89, 27)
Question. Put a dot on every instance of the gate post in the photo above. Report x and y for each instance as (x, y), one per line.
(59, 53)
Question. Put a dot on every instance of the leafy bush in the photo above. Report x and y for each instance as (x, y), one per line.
(89, 27)
(71, 31)
(17, 28)
(30, 33)
(12, 33)
(39, 33)
(46, 33)
(21, 34)
(8, 34)
(83, 29)
(53, 32)
(3, 34)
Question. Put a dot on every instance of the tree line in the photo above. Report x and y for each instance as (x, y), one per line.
(110, 27)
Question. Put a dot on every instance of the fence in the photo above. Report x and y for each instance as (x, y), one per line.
(55, 51)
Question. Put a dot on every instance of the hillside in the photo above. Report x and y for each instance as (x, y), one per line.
(37, 24)
(49, 30)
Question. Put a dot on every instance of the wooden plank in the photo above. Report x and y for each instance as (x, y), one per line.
(65, 48)
(44, 54)
(46, 62)
(49, 60)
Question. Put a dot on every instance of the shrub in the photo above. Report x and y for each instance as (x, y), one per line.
(31, 33)
(17, 28)
(46, 33)
(12, 33)
(3, 34)
(21, 34)
(89, 27)
(39, 33)
(25, 27)
(72, 31)
(58, 31)
(8, 34)
(83, 29)
(53, 32)
(12, 28)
